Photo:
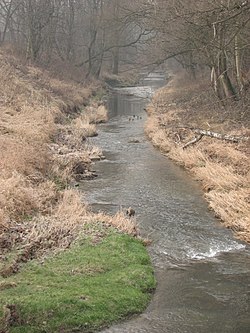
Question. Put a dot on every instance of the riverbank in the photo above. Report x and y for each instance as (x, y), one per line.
(221, 166)
(93, 284)
(45, 123)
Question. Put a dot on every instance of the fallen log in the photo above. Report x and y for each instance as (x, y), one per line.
(201, 133)
(227, 137)
(211, 134)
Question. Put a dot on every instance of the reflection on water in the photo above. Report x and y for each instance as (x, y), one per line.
(203, 273)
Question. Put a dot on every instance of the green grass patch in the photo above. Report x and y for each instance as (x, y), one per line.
(82, 289)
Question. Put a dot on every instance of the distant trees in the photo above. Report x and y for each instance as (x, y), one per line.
(86, 32)
(7, 11)
(97, 34)
(231, 48)
(213, 33)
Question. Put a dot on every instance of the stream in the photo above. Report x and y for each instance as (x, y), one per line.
(202, 272)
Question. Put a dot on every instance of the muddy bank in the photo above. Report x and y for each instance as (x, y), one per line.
(221, 166)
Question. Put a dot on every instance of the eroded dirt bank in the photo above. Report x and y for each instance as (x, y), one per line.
(221, 166)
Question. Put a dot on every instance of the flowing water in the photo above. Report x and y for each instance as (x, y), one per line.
(202, 272)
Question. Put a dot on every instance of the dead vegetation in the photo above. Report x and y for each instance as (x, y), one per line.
(221, 166)
(47, 234)
(44, 128)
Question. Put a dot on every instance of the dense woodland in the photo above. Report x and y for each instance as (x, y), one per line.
(106, 35)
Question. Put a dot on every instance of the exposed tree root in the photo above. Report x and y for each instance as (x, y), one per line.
(196, 139)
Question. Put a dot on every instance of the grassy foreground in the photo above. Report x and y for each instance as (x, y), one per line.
(79, 290)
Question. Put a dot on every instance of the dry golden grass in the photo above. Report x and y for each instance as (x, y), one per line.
(26, 123)
(44, 234)
(101, 114)
(71, 207)
(233, 209)
(236, 203)
(216, 176)
(83, 125)
(71, 165)
(20, 198)
(119, 221)
(94, 153)
(72, 155)
(17, 197)
(228, 154)
(222, 167)
(47, 234)
(159, 140)
(42, 147)
(19, 155)
(94, 114)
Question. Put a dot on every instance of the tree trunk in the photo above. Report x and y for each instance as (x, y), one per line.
(70, 48)
(116, 61)
(238, 64)
(9, 13)
(223, 76)
(216, 84)
(116, 51)
(90, 52)
(228, 88)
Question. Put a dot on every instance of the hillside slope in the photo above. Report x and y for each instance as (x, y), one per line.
(44, 126)
(176, 112)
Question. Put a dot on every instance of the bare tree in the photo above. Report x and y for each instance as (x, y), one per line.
(198, 34)
(7, 10)
(97, 34)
